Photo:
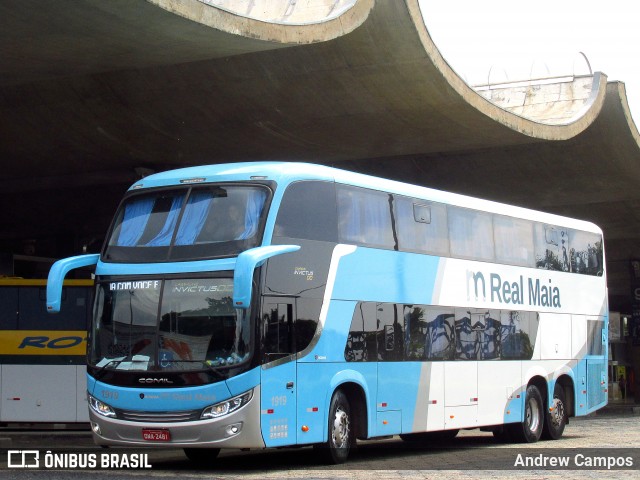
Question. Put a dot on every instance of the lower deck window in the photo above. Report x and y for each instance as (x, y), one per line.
(396, 332)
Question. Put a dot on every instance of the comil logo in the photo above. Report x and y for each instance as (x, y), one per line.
(154, 381)
(23, 459)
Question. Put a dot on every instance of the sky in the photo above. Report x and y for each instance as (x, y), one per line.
(507, 40)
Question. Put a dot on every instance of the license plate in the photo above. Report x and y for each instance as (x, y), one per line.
(156, 435)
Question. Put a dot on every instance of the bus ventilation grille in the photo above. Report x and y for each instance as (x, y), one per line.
(159, 417)
(595, 389)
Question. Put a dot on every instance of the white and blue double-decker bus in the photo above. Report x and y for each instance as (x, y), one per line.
(277, 304)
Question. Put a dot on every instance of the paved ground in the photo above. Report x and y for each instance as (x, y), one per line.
(473, 455)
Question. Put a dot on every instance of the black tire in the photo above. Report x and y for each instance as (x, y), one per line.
(430, 437)
(530, 430)
(556, 416)
(341, 433)
(202, 456)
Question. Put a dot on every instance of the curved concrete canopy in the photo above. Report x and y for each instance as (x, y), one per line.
(93, 93)
(288, 12)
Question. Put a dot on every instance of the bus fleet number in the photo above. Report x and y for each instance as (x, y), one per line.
(279, 401)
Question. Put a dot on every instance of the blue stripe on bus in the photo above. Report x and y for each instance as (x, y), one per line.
(369, 278)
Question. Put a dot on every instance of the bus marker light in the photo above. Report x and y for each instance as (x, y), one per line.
(305, 428)
(433, 402)
(270, 411)
(517, 396)
(452, 416)
(508, 412)
(384, 422)
(551, 409)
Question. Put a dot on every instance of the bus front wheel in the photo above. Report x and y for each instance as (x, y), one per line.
(340, 432)
(530, 430)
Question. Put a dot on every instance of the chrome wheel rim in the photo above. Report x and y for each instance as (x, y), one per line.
(557, 415)
(533, 415)
(340, 431)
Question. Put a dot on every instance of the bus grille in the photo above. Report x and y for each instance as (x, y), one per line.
(159, 417)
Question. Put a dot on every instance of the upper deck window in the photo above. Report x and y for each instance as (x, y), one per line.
(183, 224)
(308, 211)
(365, 217)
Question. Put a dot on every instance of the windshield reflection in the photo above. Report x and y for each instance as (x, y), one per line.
(197, 328)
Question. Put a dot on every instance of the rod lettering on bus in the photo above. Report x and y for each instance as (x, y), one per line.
(39, 342)
(47, 342)
(539, 294)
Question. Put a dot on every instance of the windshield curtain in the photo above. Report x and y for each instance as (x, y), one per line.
(196, 326)
(183, 224)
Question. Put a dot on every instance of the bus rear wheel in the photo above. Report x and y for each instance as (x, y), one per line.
(341, 432)
(556, 416)
(530, 430)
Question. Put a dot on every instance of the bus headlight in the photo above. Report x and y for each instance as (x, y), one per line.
(101, 408)
(228, 406)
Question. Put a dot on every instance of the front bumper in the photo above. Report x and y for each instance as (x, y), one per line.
(239, 429)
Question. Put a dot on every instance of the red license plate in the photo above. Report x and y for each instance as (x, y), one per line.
(156, 435)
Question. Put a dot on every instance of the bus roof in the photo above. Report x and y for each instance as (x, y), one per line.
(284, 173)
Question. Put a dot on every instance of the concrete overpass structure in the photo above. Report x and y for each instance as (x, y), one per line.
(94, 93)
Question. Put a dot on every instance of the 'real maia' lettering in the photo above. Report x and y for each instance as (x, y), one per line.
(537, 293)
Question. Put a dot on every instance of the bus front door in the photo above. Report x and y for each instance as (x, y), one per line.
(278, 390)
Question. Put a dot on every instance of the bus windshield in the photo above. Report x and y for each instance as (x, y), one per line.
(184, 223)
(195, 328)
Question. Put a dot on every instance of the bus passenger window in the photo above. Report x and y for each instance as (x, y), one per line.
(440, 342)
(421, 228)
(518, 331)
(552, 248)
(471, 234)
(586, 253)
(364, 217)
(514, 240)
(390, 333)
(308, 210)
(361, 342)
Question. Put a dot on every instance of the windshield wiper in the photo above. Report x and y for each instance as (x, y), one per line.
(102, 369)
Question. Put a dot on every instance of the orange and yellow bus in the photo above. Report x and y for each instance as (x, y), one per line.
(43, 356)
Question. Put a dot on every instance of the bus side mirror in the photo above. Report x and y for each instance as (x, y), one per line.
(245, 265)
(56, 277)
